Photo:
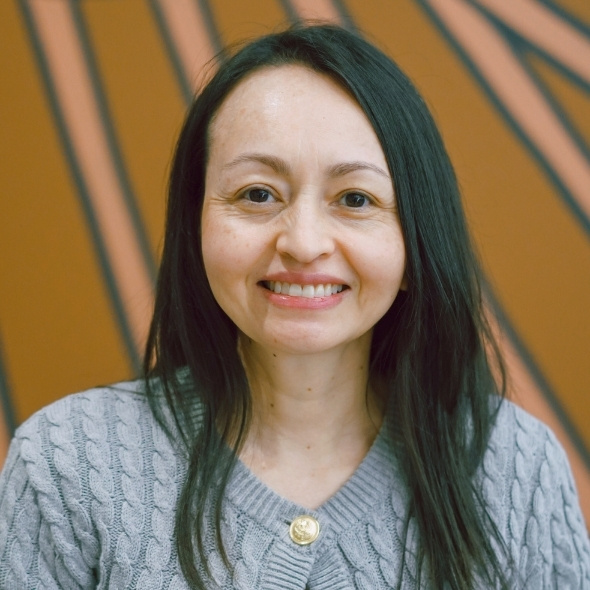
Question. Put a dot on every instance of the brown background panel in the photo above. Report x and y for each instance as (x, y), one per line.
(58, 331)
(577, 8)
(143, 98)
(237, 20)
(534, 250)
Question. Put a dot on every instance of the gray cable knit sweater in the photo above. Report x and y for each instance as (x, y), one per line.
(88, 492)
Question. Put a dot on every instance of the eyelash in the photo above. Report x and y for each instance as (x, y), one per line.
(368, 201)
(244, 195)
(247, 193)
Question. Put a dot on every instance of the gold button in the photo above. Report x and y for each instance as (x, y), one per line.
(304, 530)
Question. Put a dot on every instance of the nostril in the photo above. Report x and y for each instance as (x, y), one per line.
(304, 246)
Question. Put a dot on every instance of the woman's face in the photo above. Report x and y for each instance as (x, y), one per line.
(300, 234)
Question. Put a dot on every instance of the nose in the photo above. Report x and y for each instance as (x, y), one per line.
(306, 231)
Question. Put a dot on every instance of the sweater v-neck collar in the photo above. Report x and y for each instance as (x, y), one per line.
(365, 489)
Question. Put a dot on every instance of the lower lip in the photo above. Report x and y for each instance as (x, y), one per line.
(292, 302)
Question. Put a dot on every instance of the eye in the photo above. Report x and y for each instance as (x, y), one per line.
(258, 195)
(355, 200)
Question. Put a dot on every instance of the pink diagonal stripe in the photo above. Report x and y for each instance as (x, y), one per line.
(320, 10)
(77, 102)
(190, 37)
(544, 29)
(519, 95)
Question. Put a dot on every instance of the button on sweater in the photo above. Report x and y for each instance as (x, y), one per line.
(90, 485)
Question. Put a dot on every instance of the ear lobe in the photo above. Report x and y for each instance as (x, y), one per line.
(404, 284)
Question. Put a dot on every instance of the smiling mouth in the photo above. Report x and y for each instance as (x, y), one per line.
(309, 291)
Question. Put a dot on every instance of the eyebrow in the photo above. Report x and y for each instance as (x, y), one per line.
(348, 167)
(281, 167)
(277, 164)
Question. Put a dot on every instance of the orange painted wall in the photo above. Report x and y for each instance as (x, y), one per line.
(93, 94)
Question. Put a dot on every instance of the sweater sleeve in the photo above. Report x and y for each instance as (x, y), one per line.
(38, 548)
(530, 494)
(548, 536)
(570, 547)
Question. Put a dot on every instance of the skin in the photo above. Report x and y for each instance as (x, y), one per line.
(298, 188)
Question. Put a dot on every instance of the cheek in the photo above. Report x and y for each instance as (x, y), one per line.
(227, 253)
(384, 251)
(216, 245)
(219, 255)
(383, 269)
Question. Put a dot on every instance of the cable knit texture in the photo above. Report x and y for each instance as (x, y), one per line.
(88, 493)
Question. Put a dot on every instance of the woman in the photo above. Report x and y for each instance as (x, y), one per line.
(322, 409)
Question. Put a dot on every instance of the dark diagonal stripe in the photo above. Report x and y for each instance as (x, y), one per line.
(290, 11)
(181, 76)
(566, 16)
(213, 31)
(562, 190)
(537, 374)
(113, 145)
(82, 190)
(345, 17)
(5, 395)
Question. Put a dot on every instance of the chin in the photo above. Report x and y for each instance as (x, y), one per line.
(304, 342)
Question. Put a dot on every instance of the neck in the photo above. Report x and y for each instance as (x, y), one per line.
(315, 401)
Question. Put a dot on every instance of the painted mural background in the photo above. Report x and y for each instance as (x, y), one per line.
(93, 93)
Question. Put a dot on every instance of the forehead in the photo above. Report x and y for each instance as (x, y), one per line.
(289, 81)
(295, 104)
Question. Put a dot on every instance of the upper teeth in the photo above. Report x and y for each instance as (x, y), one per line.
(309, 291)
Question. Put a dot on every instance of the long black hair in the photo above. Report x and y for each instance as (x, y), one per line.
(432, 351)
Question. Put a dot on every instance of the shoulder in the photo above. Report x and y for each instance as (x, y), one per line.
(87, 472)
(511, 419)
(92, 446)
(530, 492)
(517, 433)
(100, 404)
(88, 492)
(114, 414)
(92, 434)
(523, 452)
